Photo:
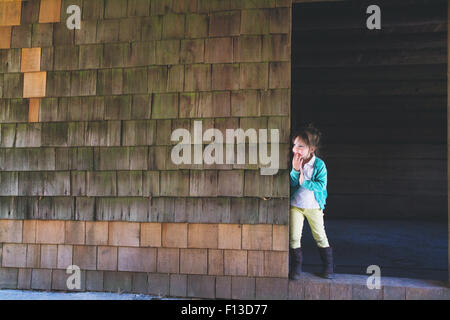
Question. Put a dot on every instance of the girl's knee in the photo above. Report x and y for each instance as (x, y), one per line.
(294, 243)
(321, 238)
(322, 242)
(294, 240)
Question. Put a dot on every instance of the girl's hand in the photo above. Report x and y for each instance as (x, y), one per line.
(297, 162)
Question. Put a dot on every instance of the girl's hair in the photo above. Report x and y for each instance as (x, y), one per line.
(310, 135)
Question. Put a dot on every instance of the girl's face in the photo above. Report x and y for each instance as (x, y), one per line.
(301, 148)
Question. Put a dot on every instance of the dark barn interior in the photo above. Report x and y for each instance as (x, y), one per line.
(379, 98)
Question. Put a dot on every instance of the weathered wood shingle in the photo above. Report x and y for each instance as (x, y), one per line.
(139, 132)
(13, 110)
(116, 90)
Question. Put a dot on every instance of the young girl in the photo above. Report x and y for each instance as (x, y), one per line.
(308, 181)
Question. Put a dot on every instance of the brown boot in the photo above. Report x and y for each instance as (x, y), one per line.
(326, 254)
(295, 263)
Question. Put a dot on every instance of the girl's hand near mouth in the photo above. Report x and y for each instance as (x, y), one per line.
(302, 177)
(297, 162)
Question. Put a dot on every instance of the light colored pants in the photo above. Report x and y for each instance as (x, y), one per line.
(315, 220)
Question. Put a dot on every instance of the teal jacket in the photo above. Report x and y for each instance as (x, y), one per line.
(318, 182)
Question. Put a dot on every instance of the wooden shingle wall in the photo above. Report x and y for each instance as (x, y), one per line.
(111, 93)
(85, 123)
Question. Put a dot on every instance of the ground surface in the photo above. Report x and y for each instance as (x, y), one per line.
(39, 295)
(408, 249)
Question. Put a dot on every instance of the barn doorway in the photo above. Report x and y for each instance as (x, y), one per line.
(380, 99)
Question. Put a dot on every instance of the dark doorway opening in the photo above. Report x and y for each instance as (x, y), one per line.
(380, 99)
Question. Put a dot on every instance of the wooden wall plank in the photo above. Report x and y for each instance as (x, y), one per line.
(379, 98)
(33, 111)
(351, 15)
(31, 60)
(34, 84)
(10, 12)
(50, 11)
(5, 37)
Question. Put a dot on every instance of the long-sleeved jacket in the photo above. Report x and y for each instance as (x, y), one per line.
(317, 184)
